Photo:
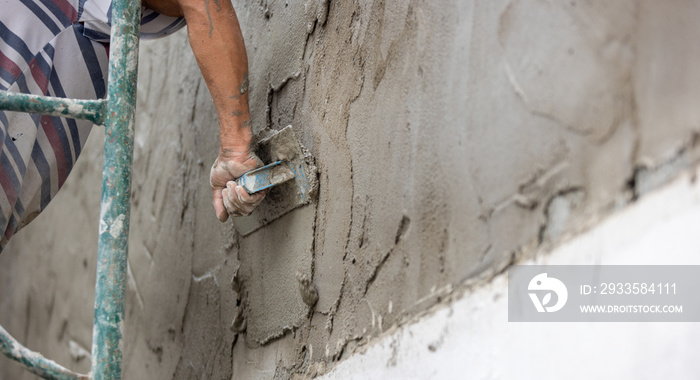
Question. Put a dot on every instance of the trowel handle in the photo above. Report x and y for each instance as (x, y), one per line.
(265, 177)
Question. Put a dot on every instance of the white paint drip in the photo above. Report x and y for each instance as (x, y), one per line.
(116, 228)
(103, 210)
(209, 274)
(77, 352)
(132, 282)
(103, 227)
(514, 82)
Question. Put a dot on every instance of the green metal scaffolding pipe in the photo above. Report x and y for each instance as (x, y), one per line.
(92, 110)
(33, 361)
(110, 290)
(117, 114)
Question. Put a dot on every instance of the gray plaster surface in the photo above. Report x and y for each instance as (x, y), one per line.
(450, 138)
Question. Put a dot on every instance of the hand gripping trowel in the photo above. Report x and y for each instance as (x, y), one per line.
(290, 178)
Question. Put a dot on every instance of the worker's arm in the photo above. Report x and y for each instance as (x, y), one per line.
(217, 42)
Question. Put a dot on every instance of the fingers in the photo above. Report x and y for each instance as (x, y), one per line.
(230, 199)
(238, 201)
(230, 207)
(219, 207)
(235, 200)
(250, 201)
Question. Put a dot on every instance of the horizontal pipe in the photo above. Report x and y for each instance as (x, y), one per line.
(92, 110)
(34, 362)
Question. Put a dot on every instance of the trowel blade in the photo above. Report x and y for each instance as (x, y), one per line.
(282, 146)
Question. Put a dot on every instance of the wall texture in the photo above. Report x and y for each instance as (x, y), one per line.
(451, 137)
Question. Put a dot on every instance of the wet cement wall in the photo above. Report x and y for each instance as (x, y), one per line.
(451, 138)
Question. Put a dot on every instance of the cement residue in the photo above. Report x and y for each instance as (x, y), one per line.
(282, 146)
(307, 289)
(271, 259)
(281, 174)
(442, 153)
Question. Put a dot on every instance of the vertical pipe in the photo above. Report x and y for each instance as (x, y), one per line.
(116, 191)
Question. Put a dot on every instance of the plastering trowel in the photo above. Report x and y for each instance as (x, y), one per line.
(290, 178)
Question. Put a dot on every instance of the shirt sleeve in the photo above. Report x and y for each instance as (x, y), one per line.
(96, 16)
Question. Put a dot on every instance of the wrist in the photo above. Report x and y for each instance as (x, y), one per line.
(236, 139)
(230, 153)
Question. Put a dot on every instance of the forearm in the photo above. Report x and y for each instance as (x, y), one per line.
(217, 42)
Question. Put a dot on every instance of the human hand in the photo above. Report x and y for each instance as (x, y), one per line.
(229, 197)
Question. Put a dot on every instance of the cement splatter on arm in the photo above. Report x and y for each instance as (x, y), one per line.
(243, 90)
(217, 42)
(211, 24)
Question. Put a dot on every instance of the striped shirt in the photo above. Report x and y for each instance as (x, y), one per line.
(56, 48)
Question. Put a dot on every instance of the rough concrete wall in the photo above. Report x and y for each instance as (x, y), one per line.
(471, 338)
(450, 138)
